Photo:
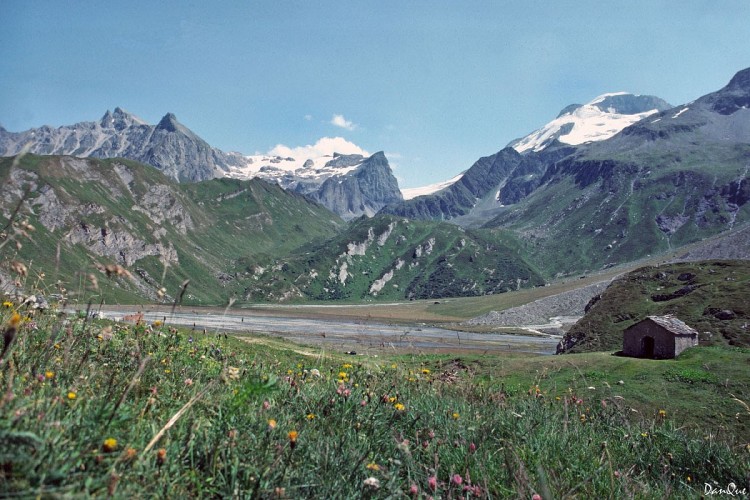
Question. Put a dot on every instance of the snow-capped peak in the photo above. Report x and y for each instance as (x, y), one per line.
(292, 167)
(600, 119)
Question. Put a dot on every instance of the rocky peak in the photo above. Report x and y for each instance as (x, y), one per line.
(733, 97)
(169, 123)
(119, 120)
(740, 81)
(342, 160)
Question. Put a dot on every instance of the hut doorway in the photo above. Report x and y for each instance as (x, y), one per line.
(647, 347)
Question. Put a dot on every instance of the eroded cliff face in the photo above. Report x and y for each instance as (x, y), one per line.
(93, 226)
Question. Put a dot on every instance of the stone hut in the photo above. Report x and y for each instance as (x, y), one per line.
(658, 337)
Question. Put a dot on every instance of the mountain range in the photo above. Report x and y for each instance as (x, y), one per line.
(349, 185)
(617, 179)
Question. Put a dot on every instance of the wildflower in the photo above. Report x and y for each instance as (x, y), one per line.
(456, 415)
(310, 416)
(232, 373)
(394, 366)
(457, 479)
(372, 482)
(392, 399)
(188, 382)
(372, 466)
(662, 413)
(49, 374)
(161, 456)
(315, 373)
(347, 366)
(266, 405)
(413, 490)
(19, 268)
(399, 407)
(432, 482)
(426, 371)
(110, 444)
(271, 424)
(536, 496)
(472, 447)
(292, 438)
(343, 375)
(7, 304)
(157, 323)
(129, 454)
(72, 395)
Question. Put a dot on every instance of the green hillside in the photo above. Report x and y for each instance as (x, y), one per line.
(89, 212)
(710, 296)
(388, 257)
(611, 206)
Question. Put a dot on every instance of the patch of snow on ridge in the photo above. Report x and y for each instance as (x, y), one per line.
(587, 123)
(409, 193)
(680, 112)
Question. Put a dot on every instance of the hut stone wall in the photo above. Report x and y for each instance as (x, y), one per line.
(650, 339)
(634, 342)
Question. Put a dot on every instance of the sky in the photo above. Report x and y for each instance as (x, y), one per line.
(434, 84)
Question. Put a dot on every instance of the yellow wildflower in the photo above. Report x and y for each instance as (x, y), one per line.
(399, 407)
(372, 466)
(426, 371)
(271, 423)
(456, 415)
(310, 416)
(110, 444)
(72, 395)
(7, 304)
(49, 374)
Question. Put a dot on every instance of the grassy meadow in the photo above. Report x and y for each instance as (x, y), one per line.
(93, 408)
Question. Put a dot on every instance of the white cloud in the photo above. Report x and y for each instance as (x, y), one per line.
(342, 122)
(325, 146)
(308, 118)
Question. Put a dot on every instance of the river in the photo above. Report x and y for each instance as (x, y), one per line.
(346, 335)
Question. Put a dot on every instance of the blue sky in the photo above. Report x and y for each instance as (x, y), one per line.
(435, 84)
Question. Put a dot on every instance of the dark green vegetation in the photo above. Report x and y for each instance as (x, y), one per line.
(710, 296)
(390, 257)
(90, 408)
(610, 207)
(87, 212)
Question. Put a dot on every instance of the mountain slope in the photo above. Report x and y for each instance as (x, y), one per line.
(392, 258)
(90, 212)
(674, 178)
(710, 296)
(350, 185)
(487, 187)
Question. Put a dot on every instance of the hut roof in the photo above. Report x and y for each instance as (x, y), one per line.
(671, 324)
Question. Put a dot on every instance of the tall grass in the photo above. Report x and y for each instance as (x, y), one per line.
(91, 408)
